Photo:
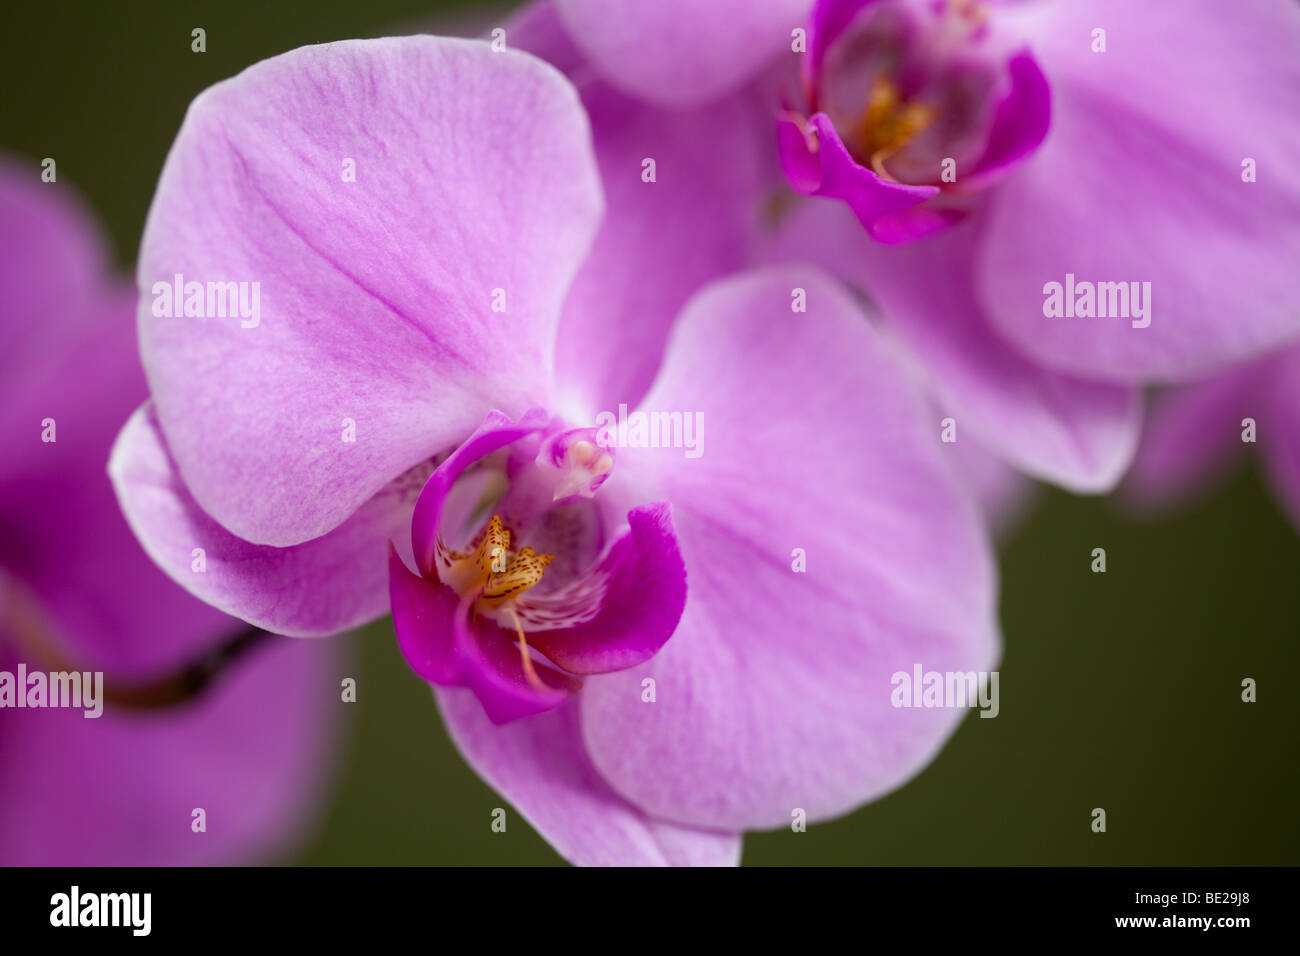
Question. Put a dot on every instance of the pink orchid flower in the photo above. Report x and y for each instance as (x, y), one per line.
(1196, 433)
(666, 234)
(647, 650)
(78, 593)
(969, 160)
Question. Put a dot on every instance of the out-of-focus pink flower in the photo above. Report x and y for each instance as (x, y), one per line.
(1196, 433)
(1109, 142)
(425, 361)
(700, 219)
(894, 95)
(77, 591)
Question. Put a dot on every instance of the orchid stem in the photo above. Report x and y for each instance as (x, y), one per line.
(190, 681)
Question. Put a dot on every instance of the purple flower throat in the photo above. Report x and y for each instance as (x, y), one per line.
(515, 554)
(906, 109)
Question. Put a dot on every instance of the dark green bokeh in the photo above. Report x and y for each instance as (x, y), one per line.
(1119, 690)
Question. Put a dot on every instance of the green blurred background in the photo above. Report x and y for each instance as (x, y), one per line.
(1119, 690)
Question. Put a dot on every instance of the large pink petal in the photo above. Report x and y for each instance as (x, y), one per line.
(774, 692)
(1079, 434)
(473, 173)
(1140, 179)
(319, 587)
(540, 766)
(682, 53)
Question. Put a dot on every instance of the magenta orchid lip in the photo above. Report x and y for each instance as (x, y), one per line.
(594, 591)
(908, 109)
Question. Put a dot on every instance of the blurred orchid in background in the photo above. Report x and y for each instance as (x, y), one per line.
(253, 752)
(700, 219)
(1197, 433)
(1110, 140)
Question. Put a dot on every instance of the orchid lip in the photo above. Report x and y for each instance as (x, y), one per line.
(526, 576)
(909, 105)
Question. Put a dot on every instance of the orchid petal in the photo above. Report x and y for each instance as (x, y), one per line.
(316, 588)
(540, 766)
(774, 693)
(402, 301)
(1141, 181)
